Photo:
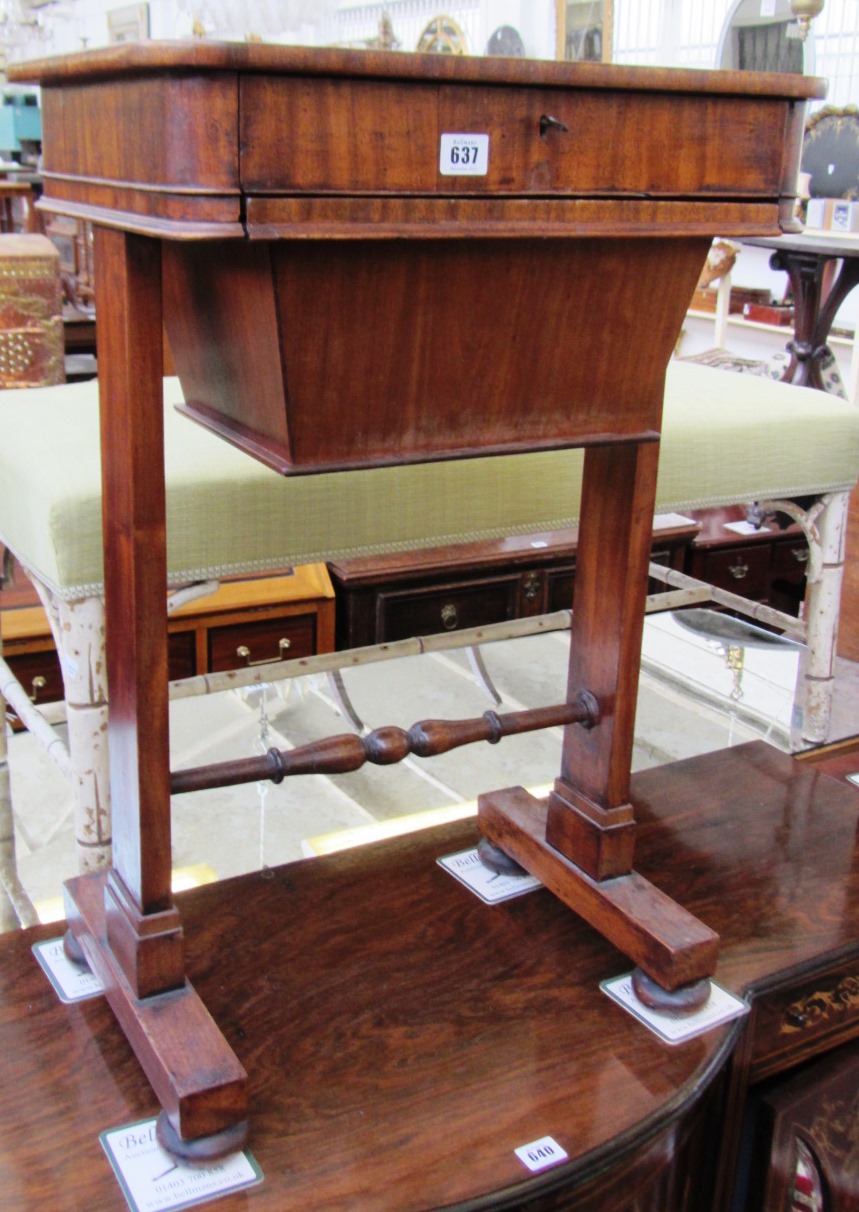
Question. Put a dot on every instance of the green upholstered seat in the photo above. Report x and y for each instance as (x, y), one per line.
(726, 438)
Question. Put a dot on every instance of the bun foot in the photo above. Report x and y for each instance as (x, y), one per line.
(684, 1000)
(498, 860)
(204, 1148)
(73, 950)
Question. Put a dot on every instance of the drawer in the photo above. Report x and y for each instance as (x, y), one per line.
(400, 615)
(804, 1128)
(39, 673)
(268, 639)
(743, 570)
(788, 576)
(793, 1024)
(560, 591)
(663, 558)
(181, 655)
(790, 562)
(293, 138)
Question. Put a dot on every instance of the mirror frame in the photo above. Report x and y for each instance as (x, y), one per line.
(561, 29)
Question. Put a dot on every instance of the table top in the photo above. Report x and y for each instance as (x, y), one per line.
(220, 122)
(402, 1038)
(821, 243)
(130, 57)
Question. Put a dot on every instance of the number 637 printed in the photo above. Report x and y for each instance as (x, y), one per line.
(464, 155)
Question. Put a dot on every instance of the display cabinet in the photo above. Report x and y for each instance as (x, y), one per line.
(385, 598)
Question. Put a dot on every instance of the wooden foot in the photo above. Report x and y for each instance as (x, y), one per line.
(194, 1073)
(73, 951)
(666, 942)
(684, 1000)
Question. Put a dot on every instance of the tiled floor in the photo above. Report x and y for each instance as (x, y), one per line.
(690, 701)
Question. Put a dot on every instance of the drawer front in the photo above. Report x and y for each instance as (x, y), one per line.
(533, 589)
(742, 570)
(258, 641)
(801, 1021)
(790, 562)
(181, 655)
(560, 590)
(787, 580)
(663, 558)
(345, 135)
(450, 608)
(39, 673)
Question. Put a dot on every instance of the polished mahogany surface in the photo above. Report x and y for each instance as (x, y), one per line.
(320, 136)
(402, 1038)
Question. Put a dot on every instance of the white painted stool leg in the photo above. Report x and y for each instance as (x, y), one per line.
(822, 606)
(8, 917)
(78, 629)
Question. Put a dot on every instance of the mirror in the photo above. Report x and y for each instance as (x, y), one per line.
(584, 30)
(762, 37)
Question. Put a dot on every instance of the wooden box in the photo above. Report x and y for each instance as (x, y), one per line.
(402, 297)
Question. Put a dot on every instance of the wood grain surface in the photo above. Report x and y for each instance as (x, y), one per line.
(401, 1038)
(390, 351)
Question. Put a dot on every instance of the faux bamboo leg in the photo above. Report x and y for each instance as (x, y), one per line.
(817, 663)
(8, 917)
(78, 631)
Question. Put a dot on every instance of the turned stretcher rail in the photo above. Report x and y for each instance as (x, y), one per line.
(384, 746)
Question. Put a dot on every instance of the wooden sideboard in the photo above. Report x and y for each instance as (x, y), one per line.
(767, 565)
(393, 597)
(247, 620)
(385, 598)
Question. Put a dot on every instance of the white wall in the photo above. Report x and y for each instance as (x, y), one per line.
(74, 23)
(665, 32)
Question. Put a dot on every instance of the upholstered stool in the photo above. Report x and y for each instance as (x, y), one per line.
(726, 439)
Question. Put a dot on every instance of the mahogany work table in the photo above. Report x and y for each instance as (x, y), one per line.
(370, 258)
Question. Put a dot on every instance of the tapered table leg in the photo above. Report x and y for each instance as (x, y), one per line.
(581, 841)
(126, 924)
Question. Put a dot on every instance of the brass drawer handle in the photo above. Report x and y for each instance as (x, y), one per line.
(800, 554)
(38, 683)
(449, 617)
(822, 1007)
(245, 653)
(531, 586)
(738, 570)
